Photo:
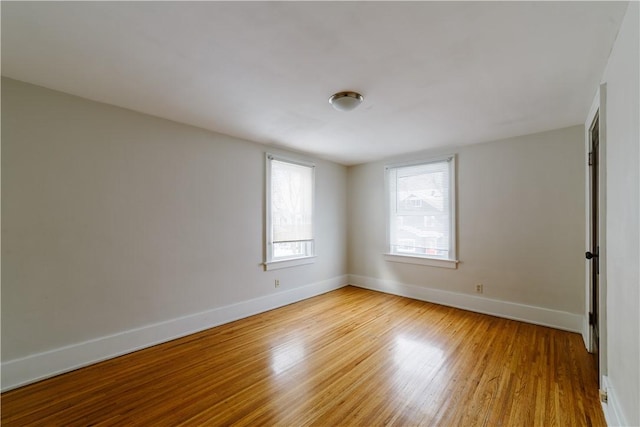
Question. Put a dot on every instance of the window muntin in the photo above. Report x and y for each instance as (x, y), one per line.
(290, 202)
(421, 218)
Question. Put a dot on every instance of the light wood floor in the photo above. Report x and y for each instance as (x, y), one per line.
(349, 357)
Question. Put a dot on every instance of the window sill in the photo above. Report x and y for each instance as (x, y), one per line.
(431, 262)
(286, 263)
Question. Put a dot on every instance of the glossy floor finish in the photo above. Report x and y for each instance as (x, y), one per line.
(349, 357)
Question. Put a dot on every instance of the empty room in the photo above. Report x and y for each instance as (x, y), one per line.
(320, 213)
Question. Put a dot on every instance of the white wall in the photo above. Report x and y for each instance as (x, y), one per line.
(114, 220)
(622, 139)
(520, 229)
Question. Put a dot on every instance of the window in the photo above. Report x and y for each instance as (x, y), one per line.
(289, 213)
(421, 219)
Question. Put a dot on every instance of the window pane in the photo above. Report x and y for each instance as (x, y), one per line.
(420, 210)
(292, 249)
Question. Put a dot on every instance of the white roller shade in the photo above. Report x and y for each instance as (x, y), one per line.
(291, 202)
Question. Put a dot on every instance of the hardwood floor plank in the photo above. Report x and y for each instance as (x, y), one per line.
(348, 357)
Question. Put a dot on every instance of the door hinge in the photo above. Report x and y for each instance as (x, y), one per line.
(590, 158)
(590, 318)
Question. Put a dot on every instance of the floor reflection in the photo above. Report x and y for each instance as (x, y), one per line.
(417, 358)
(288, 385)
(418, 364)
(418, 367)
(287, 355)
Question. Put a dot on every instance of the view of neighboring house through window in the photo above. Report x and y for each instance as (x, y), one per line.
(290, 193)
(421, 209)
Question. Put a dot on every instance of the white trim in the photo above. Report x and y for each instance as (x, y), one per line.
(593, 111)
(453, 215)
(268, 232)
(35, 367)
(612, 411)
(432, 262)
(286, 263)
(602, 228)
(291, 159)
(598, 107)
(436, 159)
(526, 313)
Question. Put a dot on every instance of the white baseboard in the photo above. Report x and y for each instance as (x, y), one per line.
(35, 367)
(612, 411)
(526, 313)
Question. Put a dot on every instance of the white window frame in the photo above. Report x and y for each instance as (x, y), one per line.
(270, 263)
(407, 258)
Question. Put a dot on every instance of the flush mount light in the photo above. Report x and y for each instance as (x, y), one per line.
(345, 101)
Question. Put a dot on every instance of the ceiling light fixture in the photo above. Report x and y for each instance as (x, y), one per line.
(345, 101)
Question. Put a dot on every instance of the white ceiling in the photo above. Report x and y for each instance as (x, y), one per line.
(432, 73)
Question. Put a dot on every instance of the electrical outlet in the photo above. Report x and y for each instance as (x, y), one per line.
(479, 288)
(277, 283)
(603, 396)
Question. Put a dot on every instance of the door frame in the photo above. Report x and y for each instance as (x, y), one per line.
(598, 108)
